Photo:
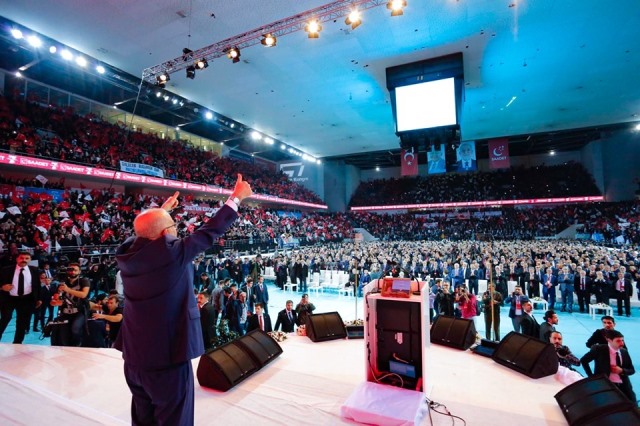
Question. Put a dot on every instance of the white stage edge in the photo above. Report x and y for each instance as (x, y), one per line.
(307, 384)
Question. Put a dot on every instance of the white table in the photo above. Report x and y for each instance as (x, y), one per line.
(608, 310)
(544, 303)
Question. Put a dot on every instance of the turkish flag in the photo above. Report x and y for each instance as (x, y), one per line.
(499, 153)
(408, 162)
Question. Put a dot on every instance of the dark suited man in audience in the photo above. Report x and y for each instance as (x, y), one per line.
(583, 290)
(488, 302)
(622, 290)
(613, 361)
(287, 318)
(528, 323)
(207, 318)
(248, 289)
(259, 320)
(549, 283)
(565, 280)
(549, 325)
(262, 294)
(599, 337)
(516, 310)
(47, 290)
(20, 293)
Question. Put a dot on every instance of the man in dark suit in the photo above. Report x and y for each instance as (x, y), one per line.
(161, 330)
(20, 293)
(516, 309)
(528, 324)
(47, 290)
(582, 286)
(248, 289)
(262, 294)
(549, 325)
(565, 280)
(613, 361)
(622, 290)
(259, 320)
(287, 318)
(207, 318)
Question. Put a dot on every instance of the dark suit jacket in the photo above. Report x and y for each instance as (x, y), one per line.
(283, 319)
(161, 326)
(577, 286)
(602, 365)
(6, 277)
(529, 326)
(254, 324)
(207, 322)
(262, 296)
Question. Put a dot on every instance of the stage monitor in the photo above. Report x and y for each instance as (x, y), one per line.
(400, 287)
(426, 105)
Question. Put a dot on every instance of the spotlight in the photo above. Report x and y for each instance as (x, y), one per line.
(234, 54)
(161, 79)
(268, 141)
(100, 69)
(186, 54)
(174, 101)
(53, 49)
(208, 115)
(16, 33)
(191, 72)
(396, 7)
(66, 54)
(201, 64)
(313, 28)
(158, 94)
(34, 41)
(166, 98)
(181, 103)
(353, 19)
(269, 40)
(256, 136)
(81, 61)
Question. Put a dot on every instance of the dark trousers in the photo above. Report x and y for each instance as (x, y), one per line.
(473, 287)
(40, 313)
(162, 396)
(623, 297)
(584, 297)
(23, 305)
(496, 323)
(549, 294)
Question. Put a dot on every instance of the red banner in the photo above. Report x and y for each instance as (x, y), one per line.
(499, 153)
(409, 162)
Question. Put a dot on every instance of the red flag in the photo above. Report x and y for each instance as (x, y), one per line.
(409, 162)
(499, 153)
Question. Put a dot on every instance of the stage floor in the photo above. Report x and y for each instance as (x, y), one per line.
(307, 384)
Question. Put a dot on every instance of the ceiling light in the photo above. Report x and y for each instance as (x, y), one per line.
(234, 54)
(100, 69)
(268, 141)
(552, 152)
(313, 28)
(158, 94)
(232, 125)
(638, 127)
(53, 49)
(283, 146)
(66, 54)
(318, 162)
(191, 72)
(81, 61)
(269, 40)
(18, 74)
(34, 41)
(256, 136)
(174, 101)
(181, 103)
(16, 33)
(201, 64)
(166, 97)
(396, 7)
(208, 115)
(354, 19)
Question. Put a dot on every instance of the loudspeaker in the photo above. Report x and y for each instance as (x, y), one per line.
(527, 355)
(596, 401)
(326, 326)
(228, 365)
(260, 347)
(453, 332)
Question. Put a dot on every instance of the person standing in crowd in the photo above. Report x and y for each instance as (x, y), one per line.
(582, 286)
(549, 283)
(287, 318)
(303, 309)
(20, 293)
(492, 312)
(516, 300)
(528, 323)
(74, 304)
(622, 290)
(260, 320)
(47, 290)
(548, 326)
(613, 361)
(467, 303)
(599, 337)
(241, 314)
(444, 300)
(261, 293)
(566, 281)
(600, 287)
(161, 330)
(249, 294)
(207, 318)
(112, 315)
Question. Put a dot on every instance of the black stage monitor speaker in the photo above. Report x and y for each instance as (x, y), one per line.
(453, 332)
(260, 346)
(596, 401)
(226, 366)
(527, 355)
(326, 326)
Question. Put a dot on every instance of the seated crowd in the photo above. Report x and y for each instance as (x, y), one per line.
(57, 133)
(567, 180)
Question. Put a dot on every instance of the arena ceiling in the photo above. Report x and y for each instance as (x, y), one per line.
(551, 74)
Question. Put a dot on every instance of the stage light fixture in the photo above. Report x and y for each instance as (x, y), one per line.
(396, 7)
(233, 53)
(313, 28)
(161, 79)
(34, 41)
(354, 19)
(191, 72)
(53, 49)
(100, 69)
(269, 40)
(16, 33)
(256, 136)
(186, 54)
(81, 61)
(201, 64)
(66, 54)
(158, 94)
(208, 115)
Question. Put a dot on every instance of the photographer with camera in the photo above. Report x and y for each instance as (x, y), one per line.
(467, 303)
(72, 302)
(444, 300)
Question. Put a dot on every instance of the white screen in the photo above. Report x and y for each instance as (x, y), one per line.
(426, 105)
